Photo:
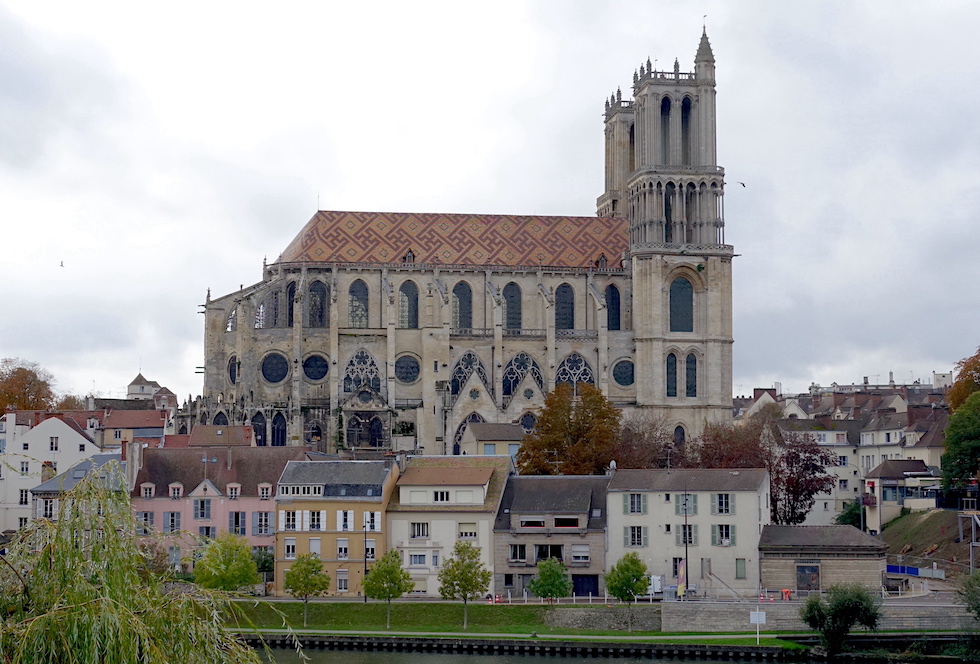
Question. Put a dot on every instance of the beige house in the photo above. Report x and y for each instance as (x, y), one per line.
(334, 510)
(489, 439)
(812, 558)
(440, 500)
(704, 520)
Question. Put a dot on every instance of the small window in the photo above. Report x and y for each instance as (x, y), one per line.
(233, 491)
(416, 559)
(580, 553)
(518, 552)
(290, 548)
(290, 520)
(740, 568)
(566, 522)
(53, 442)
(420, 529)
(343, 547)
(342, 581)
(440, 497)
(532, 523)
(467, 531)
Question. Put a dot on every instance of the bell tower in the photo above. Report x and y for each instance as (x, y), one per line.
(661, 173)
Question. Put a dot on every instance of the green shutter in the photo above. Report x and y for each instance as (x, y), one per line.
(646, 536)
(714, 535)
(715, 499)
(694, 504)
(626, 536)
(644, 501)
(694, 535)
(626, 503)
(731, 504)
(731, 530)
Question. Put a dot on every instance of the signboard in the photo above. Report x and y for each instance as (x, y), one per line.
(757, 617)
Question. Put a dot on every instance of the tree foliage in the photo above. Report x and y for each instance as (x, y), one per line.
(25, 385)
(967, 381)
(627, 580)
(388, 580)
(845, 606)
(265, 561)
(575, 434)
(226, 564)
(962, 455)
(464, 577)
(74, 590)
(305, 579)
(645, 441)
(552, 581)
(851, 515)
(969, 594)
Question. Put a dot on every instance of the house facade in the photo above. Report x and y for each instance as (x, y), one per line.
(440, 500)
(335, 511)
(806, 559)
(561, 517)
(703, 521)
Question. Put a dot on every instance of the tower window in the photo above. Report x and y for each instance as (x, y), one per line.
(681, 305)
(671, 375)
(691, 378)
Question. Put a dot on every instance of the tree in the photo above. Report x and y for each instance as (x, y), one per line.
(226, 564)
(388, 580)
(851, 515)
(626, 580)
(646, 442)
(305, 579)
(962, 455)
(73, 590)
(575, 434)
(464, 577)
(69, 401)
(265, 561)
(969, 594)
(967, 381)
(25, 385)
(845, 606)
(797, 474)
(552, 581)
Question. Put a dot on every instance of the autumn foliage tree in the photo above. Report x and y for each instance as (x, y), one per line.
(576, 434)
(645, 441)
(967, 381)
(25, 385)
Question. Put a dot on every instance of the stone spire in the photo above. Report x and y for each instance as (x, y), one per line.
(704, 49)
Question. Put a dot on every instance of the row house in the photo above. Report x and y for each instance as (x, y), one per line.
(541, 517)
(46, 497)
(697, 528)
(440, 500)
(192, 494)
(34, 450)
(335, 511)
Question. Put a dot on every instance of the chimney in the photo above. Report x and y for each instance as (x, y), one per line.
(229, 456)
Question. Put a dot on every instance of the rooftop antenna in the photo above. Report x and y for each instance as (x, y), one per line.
(704, 22)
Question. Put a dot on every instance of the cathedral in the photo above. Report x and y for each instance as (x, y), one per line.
(394, 331)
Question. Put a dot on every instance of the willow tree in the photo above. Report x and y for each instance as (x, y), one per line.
(77, 589)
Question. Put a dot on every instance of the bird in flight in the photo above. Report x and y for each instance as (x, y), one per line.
(741, 183)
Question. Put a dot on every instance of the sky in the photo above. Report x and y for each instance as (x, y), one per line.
(149, 153)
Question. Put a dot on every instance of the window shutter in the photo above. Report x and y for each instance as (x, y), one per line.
(694, 535)
(694, 504)
(731, 531)
(306, 520)
(715, 498)
(340, 519)
(678, 503)
(626, 503)
(645, 535)
(323, 519)
(231, 522)
(679, 537)
(626, 536)
(644, 501)
(151, 518)
(255, 524)
(714, 535)
(177, 520)
(282, 520)
(377, 521)
(731, 506)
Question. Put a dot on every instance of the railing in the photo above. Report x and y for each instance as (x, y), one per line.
(471, 332)
(407, 403)
(577, 334)
(524, 332)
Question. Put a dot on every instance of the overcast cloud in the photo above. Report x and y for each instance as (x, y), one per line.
(161, 151)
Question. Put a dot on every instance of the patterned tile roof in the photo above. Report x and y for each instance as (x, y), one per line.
(459, 239)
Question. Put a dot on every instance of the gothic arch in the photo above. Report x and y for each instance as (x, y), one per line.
(574, 369)
(461, 429)
(362, 369)
(357, 304)
(258, 429)
(687, 133)
(279, 430)
(691, 375)
(613, 308)
(670, 373)
(464, 368)
(520, 366)
(681, 305)
(565, 307)
(408, 305)
(290, 302)
(462, 313)
(665, 110)
(220, 420)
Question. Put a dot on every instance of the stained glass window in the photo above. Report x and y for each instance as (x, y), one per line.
(612, 308)
(318, 304)
(465, 366)
(564, 308)
(357, 305)
(315, 367)
(361, 370)
(512, 306)
(408, 305)
(691, 376)
(671, 375)
(521, 365)
(407, 369)
(623, 373)
(275, 367)
(574, 369)
(462, 305)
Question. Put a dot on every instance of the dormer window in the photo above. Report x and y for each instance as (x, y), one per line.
(233, 491)
(148, 490)
(176, 491)
(265, 491)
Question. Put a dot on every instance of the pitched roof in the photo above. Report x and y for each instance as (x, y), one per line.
(210, 435)
(439, 477)
(250, 466)
(818, 537)
(460, 239)
(69, 479)
(490, 431)
(449, 467)
(896, 468)
(134, 419)
(688, 479)
(336, 473)
(554, 494)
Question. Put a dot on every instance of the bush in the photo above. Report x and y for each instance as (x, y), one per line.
(845, 606)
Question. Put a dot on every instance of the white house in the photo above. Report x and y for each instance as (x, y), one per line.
(705, 520)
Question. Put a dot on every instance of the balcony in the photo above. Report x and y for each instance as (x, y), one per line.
(525, 333)
(471, 332)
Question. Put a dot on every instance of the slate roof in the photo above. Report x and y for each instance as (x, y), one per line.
(209, 435)
(829, 538)
(491, 431)
(459, 239)
(69, 479)
(449, 467)
(688, 479)
(351, 479)
(250, 466)
(554, 494)
(896, 468)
